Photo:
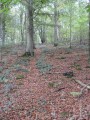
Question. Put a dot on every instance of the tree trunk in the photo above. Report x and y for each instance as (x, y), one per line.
(89, 35)
(80, 23)
(55, 26)
(22, 30)
(2, 26)
(42, 34)
(30, 43)
(3, 29)
(70, 25)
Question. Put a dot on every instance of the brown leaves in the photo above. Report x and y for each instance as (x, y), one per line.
(33, 95)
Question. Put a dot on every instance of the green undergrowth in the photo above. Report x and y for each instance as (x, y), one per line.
(53, 84)
(19, 68)
(64, 114)
(1, 69)
(23, 61)
(41, 63)
(20, 76)
(5, 74)
(77, 66)
(4, 77)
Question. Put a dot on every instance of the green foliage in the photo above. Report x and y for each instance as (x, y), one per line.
(4, 10)
(23, 61)
(53, 84)
(4, 76)
(76, 94)
(19, 68)
(77, 66)
(5, 5)
(64, 114)
(43, 1)
(42, 65)
(88, 8)
(19, 76)
(1, 69)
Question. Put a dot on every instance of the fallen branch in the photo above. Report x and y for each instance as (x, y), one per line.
(56, 66)
(59, 89)
(82, 84)
(54, 73)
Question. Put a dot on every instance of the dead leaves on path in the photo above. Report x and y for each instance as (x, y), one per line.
(46, 87)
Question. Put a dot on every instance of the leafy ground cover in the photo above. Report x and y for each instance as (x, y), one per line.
(53, 85)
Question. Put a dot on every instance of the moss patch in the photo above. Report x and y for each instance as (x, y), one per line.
(19, 76)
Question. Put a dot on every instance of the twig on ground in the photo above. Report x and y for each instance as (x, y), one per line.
(54, 73)
(82, 84)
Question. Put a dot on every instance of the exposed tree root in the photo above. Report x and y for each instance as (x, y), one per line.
(27, 54)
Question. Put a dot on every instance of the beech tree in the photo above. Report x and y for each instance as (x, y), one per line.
(30, 8)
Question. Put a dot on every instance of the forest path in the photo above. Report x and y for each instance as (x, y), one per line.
(36, 88)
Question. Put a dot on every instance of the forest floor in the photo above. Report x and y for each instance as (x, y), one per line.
(52, 85)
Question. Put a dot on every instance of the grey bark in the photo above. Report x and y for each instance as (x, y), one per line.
(30, 43)
(2, 26)
(0, 29)
(80, 23)
(42, 34)
(56, 24)
(70, 24)
(4, 30)
(89, 35)
(22, 30)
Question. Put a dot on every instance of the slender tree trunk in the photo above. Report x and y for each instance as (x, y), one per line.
(25, 29)
(55, 26)
(70, 25)
(2, 26)
(80, 36)
(22, 30)
(3, 30)
(30, 43)
(80, 23)
(89, 35)
(42, 34)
